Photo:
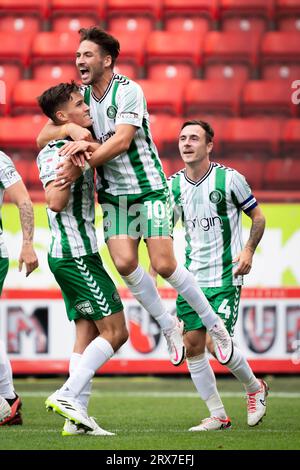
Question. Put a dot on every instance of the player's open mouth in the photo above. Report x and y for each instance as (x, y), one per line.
(84, 73)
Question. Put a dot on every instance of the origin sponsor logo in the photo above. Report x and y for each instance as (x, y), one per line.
(205, 223)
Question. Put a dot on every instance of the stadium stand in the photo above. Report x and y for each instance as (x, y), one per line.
(229, 62)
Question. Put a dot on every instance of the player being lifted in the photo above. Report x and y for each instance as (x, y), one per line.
(130, 180)
(11, 183)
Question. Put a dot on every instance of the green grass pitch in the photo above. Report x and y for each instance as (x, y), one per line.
(155, 413)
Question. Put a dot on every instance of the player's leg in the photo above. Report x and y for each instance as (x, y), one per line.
(88, 293)
(225, 301)
(163, 261)
(201, 372)
(7, 390)
(122, 230)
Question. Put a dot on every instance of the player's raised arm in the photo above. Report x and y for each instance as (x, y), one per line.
(53, 131)
(18, 194)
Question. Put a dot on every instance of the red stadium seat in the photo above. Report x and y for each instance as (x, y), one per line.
(282, 174)
(268, 97)
(24, 7)
(251, 137)
(15, 47)
(55, 47)
(21, 131)
(246, 15)
(126, 69)
(72, 23)
(25, 93)
(280, 55)
(192, 8)
(131, 24)
(187, 24)
(170, 71)
(162, 97)
(252, 169)
(59, 72)
(189, 15)
(170, 48)
(288, 15)
(95, 9)
(236, 49)
(132, 50)
(290, 139)
(20, 23)
(139, 8)
(216, 97)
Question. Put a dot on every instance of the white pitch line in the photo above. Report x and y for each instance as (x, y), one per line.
(162, 394)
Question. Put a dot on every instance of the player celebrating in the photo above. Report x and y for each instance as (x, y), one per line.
(210, 198)
(90, 296)
(12, 184)
(130, 180)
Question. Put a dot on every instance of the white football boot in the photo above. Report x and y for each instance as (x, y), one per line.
(222, 341)
(257, 404)
(212, 424)
(71, 429)
(69, 408)
(175, 344)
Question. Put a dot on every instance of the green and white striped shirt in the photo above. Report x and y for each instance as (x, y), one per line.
(8, 177)
(73, 230)
(139, 169)
(211, 213)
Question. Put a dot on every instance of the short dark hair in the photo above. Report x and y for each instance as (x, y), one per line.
(209, 132)
(54, 97)
(107, 43)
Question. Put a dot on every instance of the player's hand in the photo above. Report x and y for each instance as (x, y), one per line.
(28, 256)
(244, 260)
(78, 133)
(66, 174)
(76, 151)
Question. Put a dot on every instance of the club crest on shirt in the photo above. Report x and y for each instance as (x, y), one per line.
(215, 197)
(111, 112)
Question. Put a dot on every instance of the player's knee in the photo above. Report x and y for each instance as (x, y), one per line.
(125, 265)
(164, 266)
